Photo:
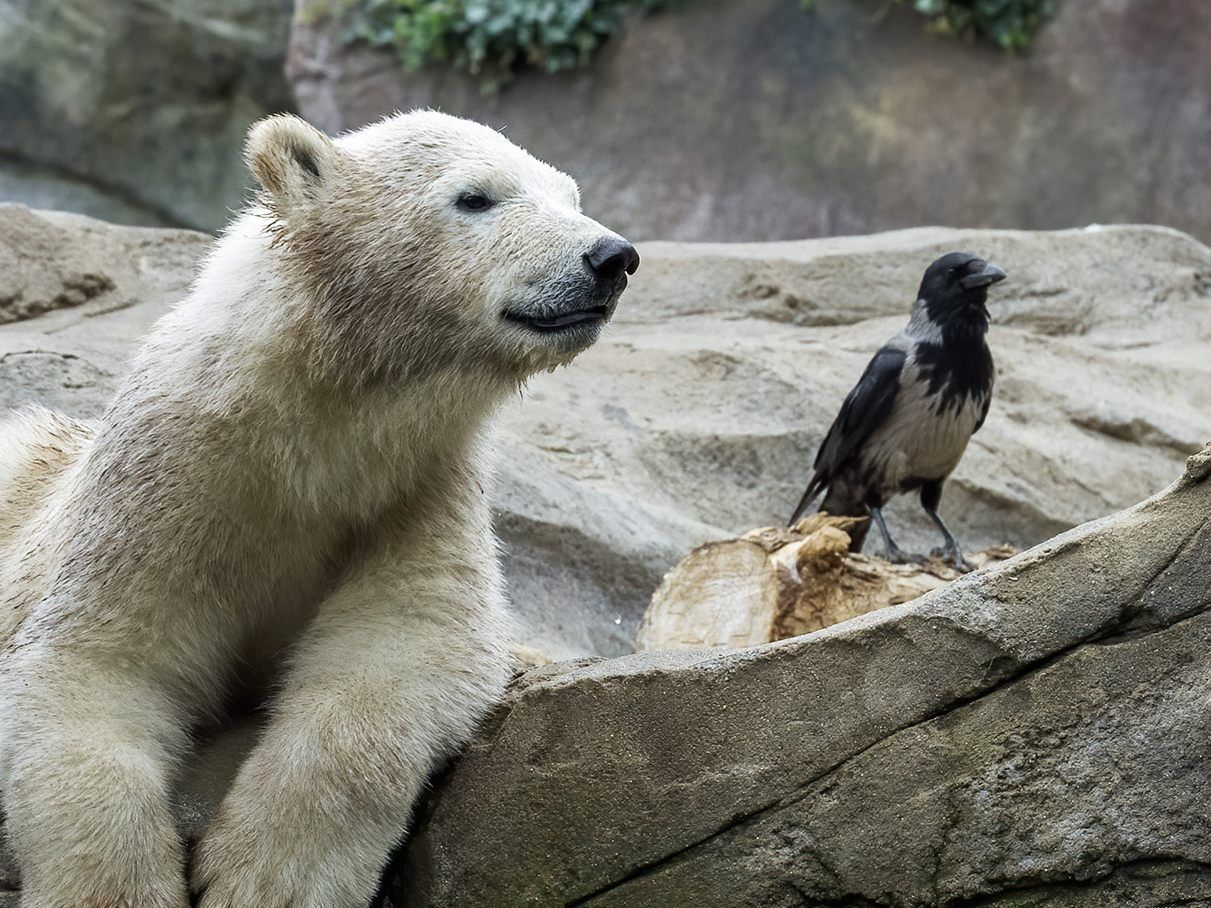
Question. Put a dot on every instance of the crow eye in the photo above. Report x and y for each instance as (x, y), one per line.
(474, 201)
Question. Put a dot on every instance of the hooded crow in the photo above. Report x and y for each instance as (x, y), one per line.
(906, 423)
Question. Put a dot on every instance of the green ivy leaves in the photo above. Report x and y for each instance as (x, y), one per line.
(1010, 23)
(493, 39)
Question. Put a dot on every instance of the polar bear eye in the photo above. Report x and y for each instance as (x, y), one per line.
(474, 201)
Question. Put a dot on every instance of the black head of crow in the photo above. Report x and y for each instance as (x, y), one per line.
(906, 424)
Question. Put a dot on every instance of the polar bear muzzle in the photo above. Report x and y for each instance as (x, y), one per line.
(575, 309)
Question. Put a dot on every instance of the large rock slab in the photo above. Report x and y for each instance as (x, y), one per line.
(755, 120)
(136, 112)
(1036, 733)
(698, 414)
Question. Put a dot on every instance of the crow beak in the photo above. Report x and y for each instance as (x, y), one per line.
(990, 275)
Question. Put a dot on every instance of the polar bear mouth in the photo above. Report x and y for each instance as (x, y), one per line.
(564, 321)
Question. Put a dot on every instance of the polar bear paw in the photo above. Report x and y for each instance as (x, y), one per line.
(242, 865)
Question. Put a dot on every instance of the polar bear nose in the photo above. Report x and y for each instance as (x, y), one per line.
(610, 257)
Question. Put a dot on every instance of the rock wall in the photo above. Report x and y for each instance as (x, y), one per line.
(136, 111)
(722, 120)
(717, 120)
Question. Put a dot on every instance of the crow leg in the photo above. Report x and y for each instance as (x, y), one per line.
(931, 497)
(953, 553)
(894, 552)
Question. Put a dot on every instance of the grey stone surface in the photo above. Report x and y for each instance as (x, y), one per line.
(725, 120)
(33, 185)
(100, 287)
(1037, 733)
(136, 111)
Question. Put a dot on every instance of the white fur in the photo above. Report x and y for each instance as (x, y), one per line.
(289, 483)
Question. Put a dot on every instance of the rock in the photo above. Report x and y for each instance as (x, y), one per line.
(1039, 724)
(101, 287)
(773, 583)
(759, 121)
(32, 185)
(699, 413)
(136, 111)
(1035, 733)
(54, 262)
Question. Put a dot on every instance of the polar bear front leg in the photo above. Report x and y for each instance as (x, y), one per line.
(399, 666)
(90, 751)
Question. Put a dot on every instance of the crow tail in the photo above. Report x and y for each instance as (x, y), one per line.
(814, 488)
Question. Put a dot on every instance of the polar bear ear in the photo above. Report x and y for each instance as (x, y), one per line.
(295, 162)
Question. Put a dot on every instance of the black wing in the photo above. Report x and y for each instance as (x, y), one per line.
(866, 407)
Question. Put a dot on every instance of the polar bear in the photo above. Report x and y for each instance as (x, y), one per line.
(291, 474)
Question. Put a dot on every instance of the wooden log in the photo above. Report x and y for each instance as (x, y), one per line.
(773, 583)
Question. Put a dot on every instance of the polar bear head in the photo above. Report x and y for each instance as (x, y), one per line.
(427, 241)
